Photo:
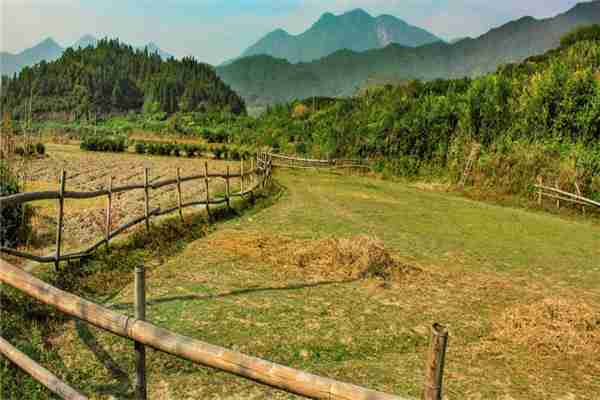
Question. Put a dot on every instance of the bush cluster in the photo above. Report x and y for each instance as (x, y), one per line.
(221, 152)
(112, 143)
(170, 149)
(11, 217)
(31, 149)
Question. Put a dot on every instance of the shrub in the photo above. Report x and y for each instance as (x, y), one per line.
(117, 143)
(163, 149)
(40, 148)
(152, 148)
(218, 152)
(190, 150)
(246, 154)
(20, 151)
(200, 149)
(300, 148)
(234, 154)
(11, 217)
(30, 149)
(140, 148)
(176, 150)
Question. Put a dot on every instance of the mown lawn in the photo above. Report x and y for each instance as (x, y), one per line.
(518, 290)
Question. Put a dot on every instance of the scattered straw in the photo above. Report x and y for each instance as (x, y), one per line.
(552, 326)
(358, 257)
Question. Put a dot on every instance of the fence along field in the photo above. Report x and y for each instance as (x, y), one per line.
(249, 180)
(143, 333)
(296, 162)
(84, 220)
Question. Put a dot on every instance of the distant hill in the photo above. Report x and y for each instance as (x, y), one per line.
(266, 80)
(112, 77)
(355, 30)
(49, 50)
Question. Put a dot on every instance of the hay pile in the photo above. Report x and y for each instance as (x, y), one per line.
(552, 326)
(358, 257)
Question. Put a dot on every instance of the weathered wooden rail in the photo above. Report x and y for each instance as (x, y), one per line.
(559, 195)
(146, 334)
(259, 174)
(256, 369)
(39, 373)
(284, 161)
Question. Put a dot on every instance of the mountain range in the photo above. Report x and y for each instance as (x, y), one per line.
(50, 50)
(355, 30)
(263, 79)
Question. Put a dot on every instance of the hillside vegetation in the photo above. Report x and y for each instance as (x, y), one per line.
(261, 79)
(113, 77)
(539, 117)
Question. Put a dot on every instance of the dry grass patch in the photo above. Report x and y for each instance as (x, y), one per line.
(553, 326)
(357, 257)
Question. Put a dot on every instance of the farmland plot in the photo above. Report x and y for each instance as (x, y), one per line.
(85, 220)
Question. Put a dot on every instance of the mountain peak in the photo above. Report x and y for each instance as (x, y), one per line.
(48, 42)
(358, 13)
(279, 33)
(326, 17)
(354, 30)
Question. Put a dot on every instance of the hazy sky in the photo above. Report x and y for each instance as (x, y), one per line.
(216, 30)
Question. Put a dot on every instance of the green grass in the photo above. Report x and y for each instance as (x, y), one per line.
(478, 261)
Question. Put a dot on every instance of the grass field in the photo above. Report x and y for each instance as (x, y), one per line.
(518, 290)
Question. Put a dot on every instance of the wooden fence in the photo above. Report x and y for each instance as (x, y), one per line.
(144, 333)
(295, 162)
(559, 196)
(258, 175)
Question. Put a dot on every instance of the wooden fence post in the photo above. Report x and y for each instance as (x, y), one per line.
(540, 184)
(252, 170)
(146, 200)
(557, 200)
(140, 350)
(579, 194)
(179, 196)
(109, 212)
(207, 193)
(241, 176)
(227, 193)
(434, 370)
(60, 216)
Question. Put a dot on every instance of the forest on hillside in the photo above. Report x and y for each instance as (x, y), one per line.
(537, 118)
(540, 117)
(115, 78)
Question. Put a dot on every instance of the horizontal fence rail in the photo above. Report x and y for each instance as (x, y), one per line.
(296, 162)
(256, 369)
(262, 171)
(39, 373)
(21, 198)
(561, 195)
(143, 333)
